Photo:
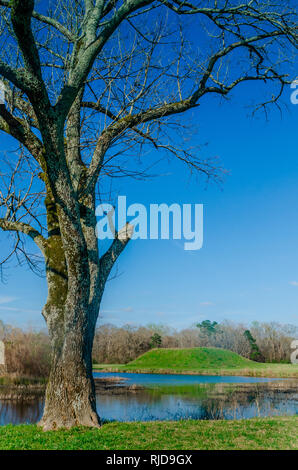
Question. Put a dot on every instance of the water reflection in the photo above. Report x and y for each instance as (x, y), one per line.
(180, 401)
(20, 412)
(181, 379)
(201, 402)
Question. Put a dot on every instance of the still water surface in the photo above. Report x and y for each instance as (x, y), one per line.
(174, 397)
(175, 379)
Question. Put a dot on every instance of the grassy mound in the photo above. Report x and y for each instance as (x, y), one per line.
(190, 359)
(200, 361)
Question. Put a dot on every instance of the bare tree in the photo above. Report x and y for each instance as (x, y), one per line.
(88, 85)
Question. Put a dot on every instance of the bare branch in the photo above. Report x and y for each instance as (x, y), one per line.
(21, 131)
(13, 226)
(108, 260)
(45, 19)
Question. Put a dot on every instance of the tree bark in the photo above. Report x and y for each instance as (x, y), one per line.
(70, 395)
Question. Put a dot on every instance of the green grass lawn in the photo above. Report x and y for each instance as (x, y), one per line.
(270, 433)
(201, 361)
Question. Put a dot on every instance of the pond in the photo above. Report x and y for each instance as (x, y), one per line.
(144, 397)
(175, 379)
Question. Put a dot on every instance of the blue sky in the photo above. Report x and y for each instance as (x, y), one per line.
(248, 267)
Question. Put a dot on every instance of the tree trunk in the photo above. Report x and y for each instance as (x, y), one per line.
(70, 395)
(76, 278)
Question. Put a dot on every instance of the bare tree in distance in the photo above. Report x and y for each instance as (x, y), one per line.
(90, 87)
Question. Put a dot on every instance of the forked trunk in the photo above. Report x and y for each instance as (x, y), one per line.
(76, 278)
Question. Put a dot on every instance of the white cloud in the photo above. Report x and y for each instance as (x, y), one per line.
(160, 314)
(294, 283)
(206, 303)
(6, 300)
(127, 309)
(18, 310)
(124, 309)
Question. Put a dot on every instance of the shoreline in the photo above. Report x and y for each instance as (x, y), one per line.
(29, 392)
(260, 373)
(27, 389)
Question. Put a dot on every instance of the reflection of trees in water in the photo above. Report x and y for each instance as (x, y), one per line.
(16, 412)
(141, 397)
(246, 401)
(223, 401)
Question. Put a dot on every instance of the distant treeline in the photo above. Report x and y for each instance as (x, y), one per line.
(266, 342)
(28, 351)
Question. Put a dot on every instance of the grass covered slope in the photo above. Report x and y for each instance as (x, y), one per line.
(201, 361)
(190, 359)
(269, 433)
